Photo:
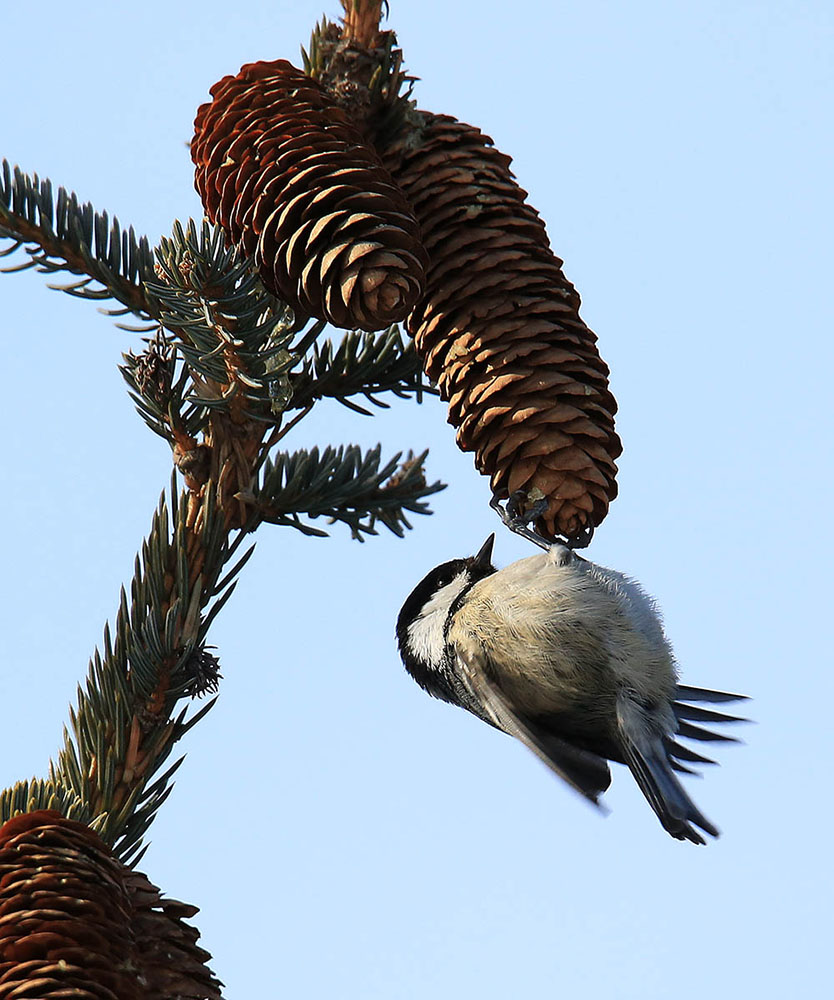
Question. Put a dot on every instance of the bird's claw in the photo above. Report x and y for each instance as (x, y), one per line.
(518, 518)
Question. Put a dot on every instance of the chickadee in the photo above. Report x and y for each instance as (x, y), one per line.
(571, 659)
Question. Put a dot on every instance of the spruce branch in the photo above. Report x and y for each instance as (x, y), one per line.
(225, 364)
(32, 794)
(343, 484)
(227, 342)
(220, 350)
(109, 773)
(361, 364)
(127, 719)
(62, 234)
(230, 329)
(161, 386)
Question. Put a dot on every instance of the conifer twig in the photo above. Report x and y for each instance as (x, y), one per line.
(363, 364)
(64, 235)
(343, 484)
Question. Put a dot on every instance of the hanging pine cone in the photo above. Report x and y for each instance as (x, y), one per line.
(499, 329)
(76, 922)
(172, 963)
(288, 176)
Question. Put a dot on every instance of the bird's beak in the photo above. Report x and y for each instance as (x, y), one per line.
(483, 560)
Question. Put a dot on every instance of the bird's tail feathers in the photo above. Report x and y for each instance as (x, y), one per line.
(687, 693)
(648, 757)
(687, 715)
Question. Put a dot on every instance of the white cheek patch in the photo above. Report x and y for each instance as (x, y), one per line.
(425, 634)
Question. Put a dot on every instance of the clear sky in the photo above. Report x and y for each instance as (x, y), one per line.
(343, 834)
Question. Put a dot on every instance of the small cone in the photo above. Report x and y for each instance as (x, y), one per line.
(75, 922)
(499, 330)
(288, 176)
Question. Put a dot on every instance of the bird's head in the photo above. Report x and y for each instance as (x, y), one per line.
(421, 625)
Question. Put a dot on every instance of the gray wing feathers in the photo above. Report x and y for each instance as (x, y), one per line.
(585, 772)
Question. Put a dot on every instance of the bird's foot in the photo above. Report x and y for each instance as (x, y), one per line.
(518, 517)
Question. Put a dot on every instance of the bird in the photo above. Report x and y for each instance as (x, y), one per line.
(570, 658)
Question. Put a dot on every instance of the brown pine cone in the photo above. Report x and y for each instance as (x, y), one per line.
(499, 329)
(172, 963)
(75, 922)
(281, 167)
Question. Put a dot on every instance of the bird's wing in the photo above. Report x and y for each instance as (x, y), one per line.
(585, 772)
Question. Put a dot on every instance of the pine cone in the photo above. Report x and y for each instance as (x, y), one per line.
(499, 329)
(76, 922)
(281, 167)
(172, 963)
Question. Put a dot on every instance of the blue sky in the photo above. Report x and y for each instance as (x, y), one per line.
(342, 833)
